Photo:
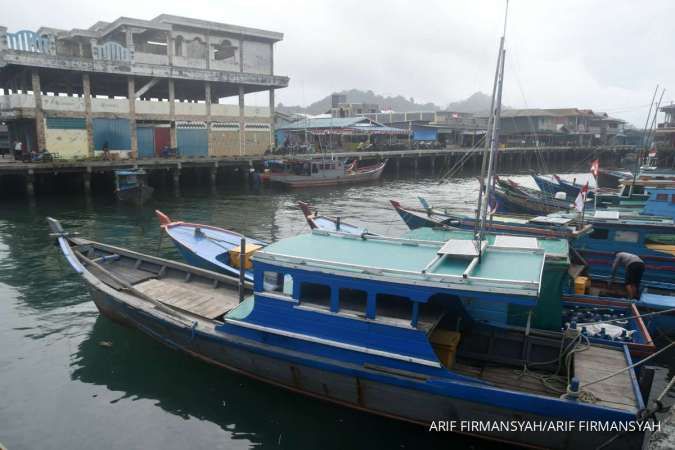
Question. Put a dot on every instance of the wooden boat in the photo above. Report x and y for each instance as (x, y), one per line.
(131, 186)
(388, 346)
(209, 247)
(541, 226)
(323, 172)
(556, 184)
(319, 222)
(514, 198)
(610, 178)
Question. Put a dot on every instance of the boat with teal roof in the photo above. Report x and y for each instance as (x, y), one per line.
(411, 329)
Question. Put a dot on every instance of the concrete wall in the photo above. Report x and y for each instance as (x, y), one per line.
(224, 140)
(191, 109)
(257, 57)
(109, 105)
(69, 144)
(54, 103)
(149, 107)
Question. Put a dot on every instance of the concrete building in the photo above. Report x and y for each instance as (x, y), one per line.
(445, 127)
(344, 109)
(665, 131)
(339, 133)
(137, 86)
(560, 127)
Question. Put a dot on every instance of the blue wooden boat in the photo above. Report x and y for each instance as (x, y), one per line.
(514, 198)
(403, 329)
(661, 202)
(540, 226)
(207, 246)
(556, 184)
(131, 186)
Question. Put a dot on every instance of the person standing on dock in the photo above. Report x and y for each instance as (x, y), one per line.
(634, 267)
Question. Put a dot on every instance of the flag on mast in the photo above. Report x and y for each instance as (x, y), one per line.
(581, 198)
(595, 167)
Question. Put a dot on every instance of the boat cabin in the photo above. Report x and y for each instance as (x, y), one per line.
(129, 179)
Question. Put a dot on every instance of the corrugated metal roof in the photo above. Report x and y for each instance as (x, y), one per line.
(324, 122)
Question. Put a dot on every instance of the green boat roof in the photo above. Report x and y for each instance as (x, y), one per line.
(422, 262)
(556, 249)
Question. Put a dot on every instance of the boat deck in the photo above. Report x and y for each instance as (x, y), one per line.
(589, 365)
(597, 362)
(195, 298)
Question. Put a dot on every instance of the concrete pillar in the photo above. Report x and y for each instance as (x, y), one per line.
(242, 123)
(176, 179)
(86, 180)
(415, 164)
(207, 98)
(170, 47)
(86, 94)
(172, 113)
(3, 43)
(398, 166)
(30, 183)
(213, 174)
(272, 118)
(39, 114)
(131, 84)
(433, 165)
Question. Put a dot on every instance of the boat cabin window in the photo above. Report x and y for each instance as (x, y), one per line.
(313, 294)
(626, 236)
(393, 306)
(661, 197)
(278, 283)
(353, 301)
(599, 233)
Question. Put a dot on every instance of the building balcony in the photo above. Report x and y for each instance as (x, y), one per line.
(23, 105)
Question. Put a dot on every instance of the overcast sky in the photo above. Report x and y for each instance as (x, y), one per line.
(600, 54)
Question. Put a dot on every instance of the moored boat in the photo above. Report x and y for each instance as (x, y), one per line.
(131, 186)
(334, 318)
(210, 247)
(323, 172)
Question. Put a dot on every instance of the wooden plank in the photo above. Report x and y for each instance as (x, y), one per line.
(197, 298)
(597, 362)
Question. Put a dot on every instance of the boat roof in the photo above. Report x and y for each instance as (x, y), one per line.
(127, 172)
(554, 248)
(500, 270)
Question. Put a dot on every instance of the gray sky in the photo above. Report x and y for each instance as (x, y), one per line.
(599, 54)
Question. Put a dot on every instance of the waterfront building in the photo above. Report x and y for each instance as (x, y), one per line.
(338, 133)
(139, 86)
(665, 132)
(560, 127)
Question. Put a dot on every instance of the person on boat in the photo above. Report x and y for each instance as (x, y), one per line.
(106, 151)
(634, 267)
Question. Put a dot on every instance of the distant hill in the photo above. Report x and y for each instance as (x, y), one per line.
(476, 103)
(398, 103)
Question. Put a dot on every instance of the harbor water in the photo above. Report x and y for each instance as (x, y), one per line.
(70, 379)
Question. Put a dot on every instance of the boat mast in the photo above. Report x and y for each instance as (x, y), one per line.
(638, 159)
(494, 135)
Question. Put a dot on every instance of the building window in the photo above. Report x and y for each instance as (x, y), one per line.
(278, 283)
(393, 307)
(599, 233)
(353, 301)
(316, 295)
(626, 236)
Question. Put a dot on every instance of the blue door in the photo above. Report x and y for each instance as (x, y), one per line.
(192, 141)
(146, 142)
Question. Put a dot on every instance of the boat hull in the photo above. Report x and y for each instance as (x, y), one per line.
(396, 397)
(362, 176)
(137, 195)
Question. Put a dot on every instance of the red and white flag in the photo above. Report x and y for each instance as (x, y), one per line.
(595, 167)
(581, 198)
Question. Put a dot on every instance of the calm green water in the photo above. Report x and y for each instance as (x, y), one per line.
(70, 379)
